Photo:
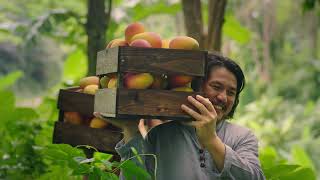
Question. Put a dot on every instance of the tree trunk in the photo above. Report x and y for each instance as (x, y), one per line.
(210, 38)
(216, 19)
(96, 26)
(193, 20)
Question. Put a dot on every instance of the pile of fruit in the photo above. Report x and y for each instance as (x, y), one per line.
(136, 36)
(88, 85)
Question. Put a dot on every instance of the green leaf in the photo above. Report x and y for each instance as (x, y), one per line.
(268, 156)
(102, 156)
(10, 79)
(301, 157)
(75, 67)
(280, 170)
(141, 11)
(130, 170)
(233, 29)
(300, 173)
(109, 176)
(81, 169)
(135, 152)
(7, 108)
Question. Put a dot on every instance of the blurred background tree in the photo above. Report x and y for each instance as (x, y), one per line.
(46, 45)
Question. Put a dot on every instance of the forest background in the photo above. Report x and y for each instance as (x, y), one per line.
(46, 45)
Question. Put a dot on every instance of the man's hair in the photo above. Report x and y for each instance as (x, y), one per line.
(220, 61)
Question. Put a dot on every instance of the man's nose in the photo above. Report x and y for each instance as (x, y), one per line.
(222, 96)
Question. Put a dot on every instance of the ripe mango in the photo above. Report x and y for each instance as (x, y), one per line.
(88, 81)
(113, 83)
(165, 43)
(140, 43)
(153, 38)
(91, 89)
(184, 42)
(179, 80)
(117, 42)
(98, 123)
(133, 29)
(73, 117)
(184, 89)
(138, 80)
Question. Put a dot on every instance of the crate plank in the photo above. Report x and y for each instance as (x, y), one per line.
(154, 60)
(147, 103)
(69, 100)
(102, 139)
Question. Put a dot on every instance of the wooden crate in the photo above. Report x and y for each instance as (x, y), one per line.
(147, 103)
(102, 139)
(69, 100)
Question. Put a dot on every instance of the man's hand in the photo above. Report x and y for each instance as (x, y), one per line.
(129, 127)
(205, 121)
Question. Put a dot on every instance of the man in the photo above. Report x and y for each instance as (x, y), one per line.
(208, 147)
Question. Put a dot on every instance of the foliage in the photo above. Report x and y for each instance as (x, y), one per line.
(283, 113)
(97, 167)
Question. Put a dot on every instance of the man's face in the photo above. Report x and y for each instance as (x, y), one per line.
(221, 88)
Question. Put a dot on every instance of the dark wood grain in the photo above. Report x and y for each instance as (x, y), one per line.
(148, 103)
(154, 60)
(69, 100)
(102, 139)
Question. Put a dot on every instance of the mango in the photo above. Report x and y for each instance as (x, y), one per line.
(73, 117)
(153, 38)
(113, 83)
(88, 81)
(138, 80)
(184, 42)
(140, 43)
(104, 81)
(98, 123)
(118, 42)
(91, 89)
(165, 43)
(179, 80)
(184, 89)
(133, 29)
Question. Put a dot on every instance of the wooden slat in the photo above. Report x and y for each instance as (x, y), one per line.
(105, 102)
(69, 100)
(107, 61)
(154, 60)
(148, 103)
(102, 139)
(162, 61)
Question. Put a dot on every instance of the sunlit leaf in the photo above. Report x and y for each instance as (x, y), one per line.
(234, 30)
(10, 79)
(301, 157)
(75, 67)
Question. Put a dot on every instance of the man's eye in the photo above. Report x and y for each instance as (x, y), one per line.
(231, 93)
(215, 87)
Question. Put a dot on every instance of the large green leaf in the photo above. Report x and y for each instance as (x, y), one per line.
(280, 170)
(301, 157)
(141, 11)
(10, 79)
(131, 170)
(300, 173)
(234, 30)
(75, 67)
(268, 157)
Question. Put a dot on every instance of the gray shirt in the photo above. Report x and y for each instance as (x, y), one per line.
(180, 156)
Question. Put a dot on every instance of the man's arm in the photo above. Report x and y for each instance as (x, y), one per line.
(239, 163)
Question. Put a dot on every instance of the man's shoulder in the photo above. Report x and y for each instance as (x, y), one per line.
(238, 130)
